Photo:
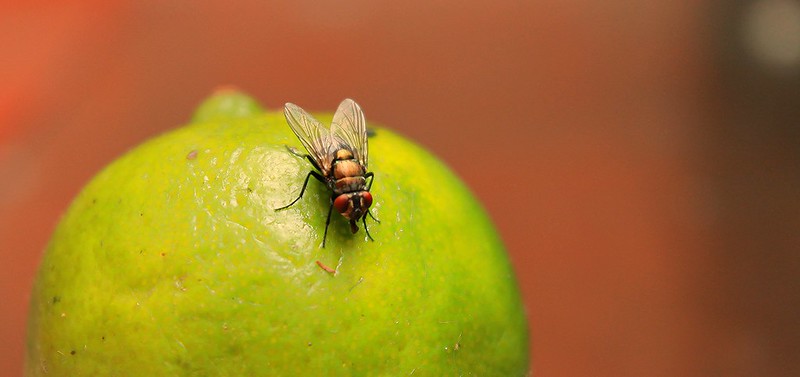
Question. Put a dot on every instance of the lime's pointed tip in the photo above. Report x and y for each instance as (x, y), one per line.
(226, 102)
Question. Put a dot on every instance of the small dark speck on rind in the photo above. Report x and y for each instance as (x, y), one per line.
(163, 254)
(192, 155)
(56, 299)
(141, 214)
(94, 200)
(72, 352)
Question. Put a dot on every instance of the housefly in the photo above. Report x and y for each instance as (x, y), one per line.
(339, 157)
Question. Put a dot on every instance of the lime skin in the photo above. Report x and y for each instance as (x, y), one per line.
(173, 262)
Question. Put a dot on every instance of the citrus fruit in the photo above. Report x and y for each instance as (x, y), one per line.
(172, 261)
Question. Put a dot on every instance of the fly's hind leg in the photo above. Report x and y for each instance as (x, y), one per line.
(294, 151)
(297, 153)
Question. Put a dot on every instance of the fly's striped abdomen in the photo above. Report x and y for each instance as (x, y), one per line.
(349, 184)
(348, 176)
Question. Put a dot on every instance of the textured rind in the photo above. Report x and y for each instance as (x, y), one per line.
(172, 261)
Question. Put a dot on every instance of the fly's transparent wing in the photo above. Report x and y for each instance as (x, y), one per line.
(315, 138)
(349, 126)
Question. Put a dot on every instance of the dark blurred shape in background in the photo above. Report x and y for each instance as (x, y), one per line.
(640, 159)
(753, 158)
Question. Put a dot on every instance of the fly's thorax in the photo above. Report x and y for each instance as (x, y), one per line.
(347, 168)
(343, 154)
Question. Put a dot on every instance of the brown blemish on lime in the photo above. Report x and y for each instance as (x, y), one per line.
(326, 268)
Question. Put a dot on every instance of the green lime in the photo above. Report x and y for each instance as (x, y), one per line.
(173, 262)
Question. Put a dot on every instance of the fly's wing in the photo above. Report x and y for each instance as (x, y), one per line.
(315, 138)
(349, 126)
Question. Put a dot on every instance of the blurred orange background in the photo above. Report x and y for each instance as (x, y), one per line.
(640, 159)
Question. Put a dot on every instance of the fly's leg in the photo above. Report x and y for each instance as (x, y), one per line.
(372, 216)
(294, 151)
(327, 222)
(364, 221)
(371, 177)
(320, 178)
(303, 190)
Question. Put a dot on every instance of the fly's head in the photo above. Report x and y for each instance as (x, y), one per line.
(353, 206)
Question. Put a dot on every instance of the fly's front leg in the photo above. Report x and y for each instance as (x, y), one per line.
(303, 190)
(372, 216)
(371, 177)
(364, 221)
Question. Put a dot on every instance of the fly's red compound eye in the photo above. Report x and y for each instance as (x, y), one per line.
(367, 199)
(341, 203)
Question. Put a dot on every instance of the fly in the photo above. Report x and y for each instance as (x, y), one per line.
(339, 157)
